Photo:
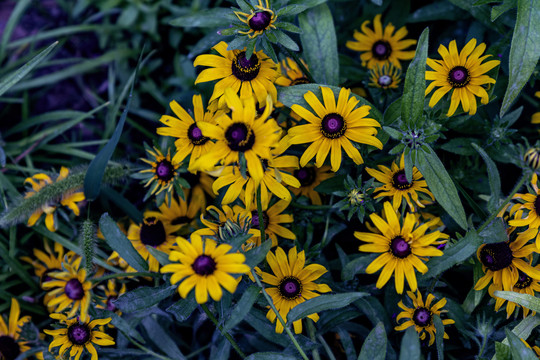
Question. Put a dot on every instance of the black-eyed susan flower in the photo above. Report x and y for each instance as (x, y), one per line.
(527, 211)
(421, 316)
(69, 289)
(310, 177)
(163, 171)
(259, 20)
(532, 158)
(292, 74)
(205, 266)
(381, 46)
(77, 335)
(190, 140)
(333, 128)
(45, 262)
(385, 77)
(243, 133)
(292, 283)
(184, 213)
(11, 344)
(113, 290)
(219, 218)
(404, 247)
(156, 231)
(463, 73)
(501, 261)
(395, 184)
(248, 77)
(536, 116)
(524, 285)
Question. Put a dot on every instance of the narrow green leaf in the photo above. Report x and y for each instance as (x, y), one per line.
(439, 333)
(394, 133)
(518, 349)
(16, 13)
(412, 101)
(16, 267)
(161, 338)
(408, 163)
(319, 44)
(183, 308)
(239, 312)
(291, 10)
(120, 324)
(356, 266)
(285, 40)
(457, 253)
(258, 254)
(321, 303)
(125, 205)
(440, 10)
(525, 327)
(440, 184)
(392, 113)
(493, 176)
(374, 348)
(459, 145)
(495, 232)
(288, 27)
(270, 356)
(524, 51)
(205, 18)
(525, 300)
(120, 243)
(331, 185)
(410, 345)
(481, 13)
(15, 77)
(498, 10)
(143, 298)
(161, 257)
(502, 352)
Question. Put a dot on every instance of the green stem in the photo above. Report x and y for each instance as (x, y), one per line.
(260, 214)
(519, 184)
(280, 319)
(198, 351)
(223, 332)
(311, 332)
(299, 63)
(125, 274)
(326, 348)
(145, 349)
(324, 242)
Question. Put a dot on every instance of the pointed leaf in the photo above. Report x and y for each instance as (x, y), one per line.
(518, 349)
(410, 345)
(321, 303)
(374, 348)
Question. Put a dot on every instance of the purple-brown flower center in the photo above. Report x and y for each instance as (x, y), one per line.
(255, 222)
(239, 137)
(195, 135)
(306, 176)
(385, 80)
(399, 180)
(381, 50)
(260, 20)
(74, 289)
(299, 81)
(9, 349)
(152, 232)
(537, 205)
(333, 126)
(110, 303)
(459, 76)
(245, 69)
(496, 256)
(78, 334)
(400, 247)
(290, 287)
(524, 281)
(204, 265)
(164, 170)
(422, 317)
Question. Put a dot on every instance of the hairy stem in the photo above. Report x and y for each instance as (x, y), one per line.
(223, 332)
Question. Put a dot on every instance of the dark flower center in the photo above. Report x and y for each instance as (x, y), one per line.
(459, 77)
(524, 281)
(165, 170)
(78, 334)
(333, 126)
(195, 135)
(306, 176)
(45, 276)
(9, 349)
(245, 69)
(537, 205)
(110, 303)
(255, 223)
(239, 137)
(74, 289)
(260, 20)
(496, 256)
(153, 232)
(290, 287)
(399, 181)
(204, 265)
(180, 220)
(299, 81)
(381, 50)
(385, 80)
(400, 248)
(422, 317)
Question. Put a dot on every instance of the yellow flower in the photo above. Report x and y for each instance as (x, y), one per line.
(69, 288)
(529, 206)
(11, 345)
(258, 21)
(48, 261)
(310, 177)
(421, 316)
(213, 227)
(253, 76)
(190, 140)
(78, 335)
(404, 248)
(163, 173)
(386, 77)
(333, 128)
(292, 74)
(536, 116)
(292, 283)
(112, 293)
(381, 47)
(207, 267)
(463, 73)
(395, 184)
(182, 213)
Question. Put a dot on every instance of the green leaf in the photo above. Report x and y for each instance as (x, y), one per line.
(454, 254)
(518, 349)
(120, 243)
(408, 163)
(291, 10)
(392, 113)
(356, 266)
(502, 352)
(523, 50)
(412, 101)
(459, 145)
(125, 205)
(394, 133)
(16, 76)
(288, 27)
(119, 323)
(143, 298)
(183, 308)
(410, 345)
(205, 18)
(258, 254)
(374, 348)
(440, 10)
(525, 300)
(493, 176)
(495, 232)
(16, 13)
(239, 312)
(321, 303)
(270, 356)
(161, 338)
(498, 10)
(440, 184)
(525, 327)
(161, 257)
(285, 40)
(481, 13)
(439, 333)
(291, 95)
(319, 44)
